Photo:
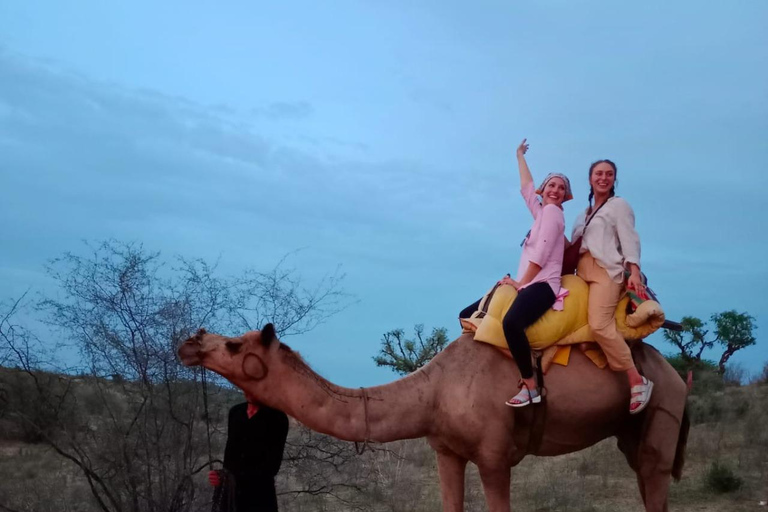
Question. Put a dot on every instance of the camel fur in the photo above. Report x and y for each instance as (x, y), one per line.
(457, 402)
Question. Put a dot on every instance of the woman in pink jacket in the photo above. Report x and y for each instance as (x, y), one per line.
(538, 275)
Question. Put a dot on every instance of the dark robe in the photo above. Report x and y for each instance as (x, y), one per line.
(253, 455)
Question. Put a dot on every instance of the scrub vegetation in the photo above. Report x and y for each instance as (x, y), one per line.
(726, 461)
(128, 429)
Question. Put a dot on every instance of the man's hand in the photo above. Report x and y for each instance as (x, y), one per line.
(213, 478)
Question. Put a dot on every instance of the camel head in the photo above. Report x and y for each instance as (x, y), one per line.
(245, 361)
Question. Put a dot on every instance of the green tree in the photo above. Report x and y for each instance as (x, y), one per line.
(406, 356)
(692, 340)
(733, 331)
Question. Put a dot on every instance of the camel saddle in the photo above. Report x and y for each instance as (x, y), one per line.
(554, 333)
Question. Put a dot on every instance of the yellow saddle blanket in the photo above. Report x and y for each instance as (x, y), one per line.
(559, 328)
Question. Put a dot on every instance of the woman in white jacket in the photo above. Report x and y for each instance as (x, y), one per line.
(610, 263)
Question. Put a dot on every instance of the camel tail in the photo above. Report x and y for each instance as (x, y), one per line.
(682, 441)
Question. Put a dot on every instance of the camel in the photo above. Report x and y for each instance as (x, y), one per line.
(457, 400)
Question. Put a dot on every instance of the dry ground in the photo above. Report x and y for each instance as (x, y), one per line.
(729, 426)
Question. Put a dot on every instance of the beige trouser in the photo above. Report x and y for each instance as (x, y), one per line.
(604, 295)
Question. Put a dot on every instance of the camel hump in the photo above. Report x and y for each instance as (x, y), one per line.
(566, 327)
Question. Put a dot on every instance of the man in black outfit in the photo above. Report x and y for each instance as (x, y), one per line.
(255, 441)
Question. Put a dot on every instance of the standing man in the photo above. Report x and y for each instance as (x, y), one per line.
(255, 441)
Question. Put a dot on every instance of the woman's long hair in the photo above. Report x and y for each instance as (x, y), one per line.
(615, 181)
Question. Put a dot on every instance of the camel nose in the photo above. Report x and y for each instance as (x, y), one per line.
(189, 351)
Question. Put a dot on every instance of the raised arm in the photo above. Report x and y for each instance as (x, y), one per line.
(527, 188)
(525, 173)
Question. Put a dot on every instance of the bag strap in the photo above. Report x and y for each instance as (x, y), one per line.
(593, 216)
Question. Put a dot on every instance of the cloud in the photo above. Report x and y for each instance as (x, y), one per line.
(83, 159)
(282, 110)
(104, 160)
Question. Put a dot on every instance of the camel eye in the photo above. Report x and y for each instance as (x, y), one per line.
(233, 346)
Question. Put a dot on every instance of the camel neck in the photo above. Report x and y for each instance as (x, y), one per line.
(398, 410)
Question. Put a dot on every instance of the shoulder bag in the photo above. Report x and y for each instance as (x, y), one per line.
(572, 253)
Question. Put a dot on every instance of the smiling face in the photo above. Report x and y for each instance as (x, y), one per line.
(602, 178)
(554, 192)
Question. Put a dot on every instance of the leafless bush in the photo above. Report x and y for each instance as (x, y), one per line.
(762, 377)
(135, 425)
(406, 477)
(735, 374)
(323, 470)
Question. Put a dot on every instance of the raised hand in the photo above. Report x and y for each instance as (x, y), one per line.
(522, 148)
(522, 165)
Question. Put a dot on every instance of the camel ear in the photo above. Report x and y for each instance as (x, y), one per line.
(268, 335)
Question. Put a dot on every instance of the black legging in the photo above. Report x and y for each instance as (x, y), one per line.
(467, 311)
(531, 303)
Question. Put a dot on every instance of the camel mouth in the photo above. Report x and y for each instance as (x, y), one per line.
(189, 351)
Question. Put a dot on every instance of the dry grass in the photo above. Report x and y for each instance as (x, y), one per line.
(35, 479)
(729, 426)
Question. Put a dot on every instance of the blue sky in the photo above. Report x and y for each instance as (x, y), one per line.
(380, 137)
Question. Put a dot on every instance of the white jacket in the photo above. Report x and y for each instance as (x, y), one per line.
(610, 237)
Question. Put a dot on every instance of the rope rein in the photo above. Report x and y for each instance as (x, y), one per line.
(367, 440)
(223, 499)
(207, 417)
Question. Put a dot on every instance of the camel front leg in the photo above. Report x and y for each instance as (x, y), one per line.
(451, 468)
(496, 486)
(656, 487)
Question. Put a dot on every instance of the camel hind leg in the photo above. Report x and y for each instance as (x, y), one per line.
(654, 442)
(651, 448)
